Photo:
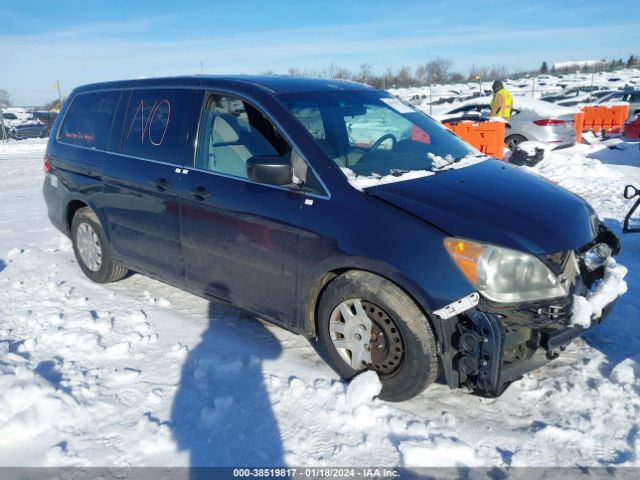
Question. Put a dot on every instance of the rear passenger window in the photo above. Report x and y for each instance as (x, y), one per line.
(154, 124)
(88, 121)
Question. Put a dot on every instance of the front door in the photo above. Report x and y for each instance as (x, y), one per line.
(239, 238)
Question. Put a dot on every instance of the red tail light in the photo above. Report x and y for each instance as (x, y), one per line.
(47, 163)
(548, 121)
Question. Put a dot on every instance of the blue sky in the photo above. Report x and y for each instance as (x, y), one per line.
(78, 42)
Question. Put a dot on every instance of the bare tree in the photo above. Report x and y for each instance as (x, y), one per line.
(497, 72)
(365, 73)
(420, 75)
(438, 70)
(343, 74)
(52, 105)
(404, 76)
(389, 78)
(456, 77)
(5, 98)
(332, 70)
(480, 71)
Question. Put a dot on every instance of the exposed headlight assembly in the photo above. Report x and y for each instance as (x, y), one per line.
(503, 275)
(597, 256)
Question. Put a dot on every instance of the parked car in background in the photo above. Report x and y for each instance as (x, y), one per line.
(46, 117)
(530, 120)
(586, 98)
(631, 96)
(570, 93)
(20, 129)
(334, 210)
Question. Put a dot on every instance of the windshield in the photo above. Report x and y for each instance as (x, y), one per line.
(374, 135)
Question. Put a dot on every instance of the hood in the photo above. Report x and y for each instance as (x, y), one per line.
(497, 203)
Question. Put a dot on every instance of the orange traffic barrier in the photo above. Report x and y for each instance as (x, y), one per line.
(620, 115)
(578, 124)
(488, 137)
(589, 118)
(610, 118)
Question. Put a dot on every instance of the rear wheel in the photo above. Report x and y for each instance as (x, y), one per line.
(91, 248)
(367, 323)
(512, 141)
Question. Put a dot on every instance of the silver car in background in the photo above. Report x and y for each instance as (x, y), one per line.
(529, 121)
(632, 96)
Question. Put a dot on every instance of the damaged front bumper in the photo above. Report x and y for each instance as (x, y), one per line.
(485, 346)
(486, 351)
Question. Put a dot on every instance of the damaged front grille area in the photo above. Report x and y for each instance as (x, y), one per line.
(487, 347)
(554, 314)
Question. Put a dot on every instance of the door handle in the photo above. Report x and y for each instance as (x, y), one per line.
(200, 193)
(161, 184)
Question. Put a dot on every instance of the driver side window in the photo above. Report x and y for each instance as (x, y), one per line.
(232, 131)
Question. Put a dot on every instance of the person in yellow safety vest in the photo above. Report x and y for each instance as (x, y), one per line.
(502, 102)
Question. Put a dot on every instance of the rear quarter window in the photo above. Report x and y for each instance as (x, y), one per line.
(153, 127)
(88, 121)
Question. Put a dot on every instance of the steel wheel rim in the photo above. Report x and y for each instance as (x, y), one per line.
(366, 337)
(513, 143)
(89, 247)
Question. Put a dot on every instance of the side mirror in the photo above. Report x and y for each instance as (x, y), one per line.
(270, 169)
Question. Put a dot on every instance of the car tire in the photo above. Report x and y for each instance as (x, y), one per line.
(91, 248)
(402, 346)
(512, 141)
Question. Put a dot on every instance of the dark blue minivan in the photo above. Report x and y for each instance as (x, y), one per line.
(333, 210)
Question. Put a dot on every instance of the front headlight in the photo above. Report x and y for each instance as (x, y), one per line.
(504, 275)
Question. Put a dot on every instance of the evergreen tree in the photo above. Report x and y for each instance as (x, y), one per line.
(544, 68)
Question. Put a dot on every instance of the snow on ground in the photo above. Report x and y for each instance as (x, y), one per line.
(140, 373)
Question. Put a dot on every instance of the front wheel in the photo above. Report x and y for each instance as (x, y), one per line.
(91, 249)
(368, 323)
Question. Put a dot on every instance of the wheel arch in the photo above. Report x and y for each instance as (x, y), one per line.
(72, 207)
(417, 295)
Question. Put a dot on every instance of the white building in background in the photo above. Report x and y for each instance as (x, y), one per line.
(578, 64)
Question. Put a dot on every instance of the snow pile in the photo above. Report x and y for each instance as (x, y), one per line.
(439, 164)
(29, 405)
(570, 168)
(437, 451)
(21, 147)
(468, 161)
(361, 181)
(604, 292)
(626, 372)
(353, 424)
(362, 389)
